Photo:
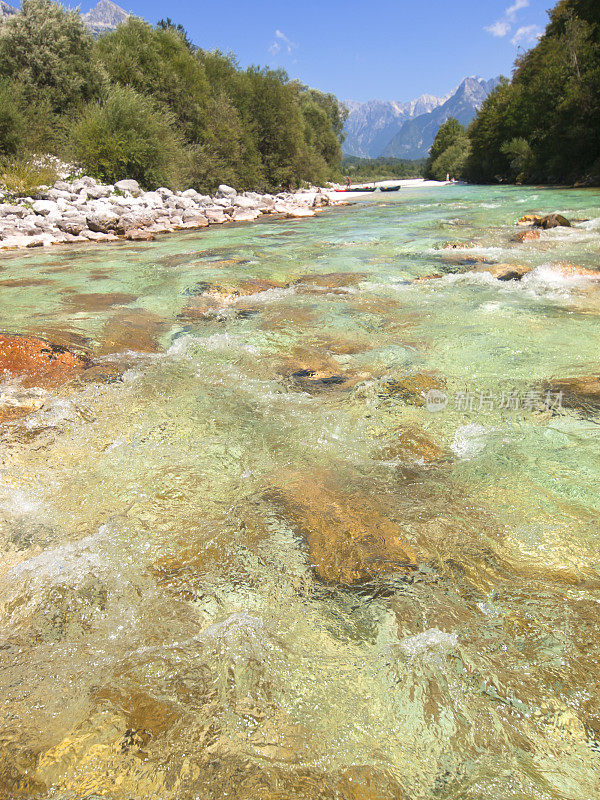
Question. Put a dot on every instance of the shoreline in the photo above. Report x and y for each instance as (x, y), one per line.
(84, 211)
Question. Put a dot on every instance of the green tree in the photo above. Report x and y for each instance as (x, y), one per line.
(50, 53)
(448, 152)
(127, 136)
(12, 120)
(552, 103)
(159, 63)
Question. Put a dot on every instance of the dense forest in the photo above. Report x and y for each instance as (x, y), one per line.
(381, 169)
(142, 102)
(544, 125)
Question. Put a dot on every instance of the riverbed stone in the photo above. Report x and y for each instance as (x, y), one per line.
(38, 362)
(350, 538)
(553, 221)
(578, 392)
(505, 272)
(215, 216)
(102, 220)
(527, 236)
(194, 217)
(137, 235)
(529, 219)
(245, 215)
(10, 209)
(130, 186)
(412, 388)
(226, 191)
(72, 223)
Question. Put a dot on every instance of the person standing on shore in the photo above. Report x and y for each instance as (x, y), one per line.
(348, 182)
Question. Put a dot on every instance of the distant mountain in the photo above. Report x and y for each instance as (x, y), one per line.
(407, 130)
(104, 17)
(416, 136)
(6, 10)
(372, 125)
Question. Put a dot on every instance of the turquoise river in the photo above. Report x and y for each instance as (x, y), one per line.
(308, 528)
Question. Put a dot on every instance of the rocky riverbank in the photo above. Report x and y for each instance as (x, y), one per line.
(84, 210)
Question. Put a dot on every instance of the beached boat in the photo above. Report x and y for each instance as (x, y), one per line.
(389, 188)
(357, 189)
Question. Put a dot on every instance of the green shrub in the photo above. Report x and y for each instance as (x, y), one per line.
(50, 52)
(126, 136)
(22, 177)
(450, 162)
(12, 120)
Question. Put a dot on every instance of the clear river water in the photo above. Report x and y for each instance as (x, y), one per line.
(309, 528)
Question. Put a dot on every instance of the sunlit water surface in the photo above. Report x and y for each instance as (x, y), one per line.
(249, 563)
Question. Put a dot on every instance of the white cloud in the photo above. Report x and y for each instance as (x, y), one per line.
(511, 11)
(499, 28)
(503, 26)
(282, 42)
(528, 34)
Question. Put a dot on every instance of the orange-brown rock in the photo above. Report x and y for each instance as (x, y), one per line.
(329, 280)
(146, 715)
(433, 276)
(529, 219)
(14, 408)
(15, 283)
(224, 293)
(350, 539)
(314, 370)
(38, 362)
(367, 783)
(457, 245)
(574, 270)
(139, 236)
(412, 445)
(198, 308)
(100, 301)
(411, 388)
(528, 236)
(552, 221)
(505, 272)
(581, 392)
(132, 329)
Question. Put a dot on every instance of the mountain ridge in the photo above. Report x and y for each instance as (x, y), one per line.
(407, 130)
(102, 18)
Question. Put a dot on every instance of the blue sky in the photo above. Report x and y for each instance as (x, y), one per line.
(387, 49)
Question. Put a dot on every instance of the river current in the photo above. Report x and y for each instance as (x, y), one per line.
(309, 528)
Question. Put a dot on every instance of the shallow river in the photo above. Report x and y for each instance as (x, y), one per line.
(308, 529)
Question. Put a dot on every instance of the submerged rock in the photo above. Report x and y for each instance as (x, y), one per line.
(582, 392)
(134, 329)
(100, 301)
(575, 271)
(505, 272)
(313, 370)
(552, 221)
(411, 389)
(529, 219)
(16, 406)
(412, 445)
(38, 362)
(349, 538)
(527, 236)
(329, 280)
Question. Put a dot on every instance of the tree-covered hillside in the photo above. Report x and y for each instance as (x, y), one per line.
(142, 102)
(544, 125)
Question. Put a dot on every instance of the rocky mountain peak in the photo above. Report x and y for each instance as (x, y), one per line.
(6, 10)
(407, 130)
(104, 17)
